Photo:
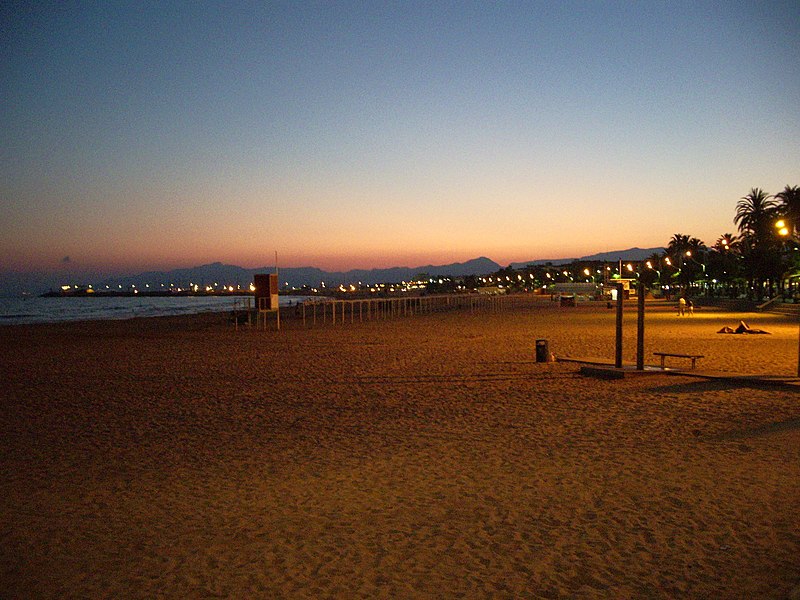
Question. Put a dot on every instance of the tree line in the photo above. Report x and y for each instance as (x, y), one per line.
(756, 262)
(760, 260)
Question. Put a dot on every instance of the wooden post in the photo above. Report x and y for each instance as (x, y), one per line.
(640, 328)
(618, 353)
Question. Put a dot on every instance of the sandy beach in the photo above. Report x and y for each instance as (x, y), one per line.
(422, 457)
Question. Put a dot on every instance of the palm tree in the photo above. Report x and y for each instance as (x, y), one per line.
(676, 248)
(697, 247)
(727, 241)
(694, 260)
(687, 255)
(789, 206)
(724, 260)
(677, 245)
(755, 216)
(755, 213)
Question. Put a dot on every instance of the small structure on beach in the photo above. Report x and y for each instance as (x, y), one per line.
(610, 290)
(568, 294)
(266, 285)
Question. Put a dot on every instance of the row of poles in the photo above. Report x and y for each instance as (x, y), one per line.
(343, 311)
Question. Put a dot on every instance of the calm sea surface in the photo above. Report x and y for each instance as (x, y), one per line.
(15, 311)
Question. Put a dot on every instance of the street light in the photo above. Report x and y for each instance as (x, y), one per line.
(694, 260)
(652, 268)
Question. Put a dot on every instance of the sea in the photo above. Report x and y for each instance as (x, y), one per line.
(18, 311)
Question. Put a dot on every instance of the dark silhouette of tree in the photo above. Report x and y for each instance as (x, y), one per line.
(687, 255)
(677, 245)
(724, 264)
(653, 271)
(727, 241)
(755, 215)
(789, 211)
(789, 207)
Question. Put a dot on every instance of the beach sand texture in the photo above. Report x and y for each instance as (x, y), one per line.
(422, 457)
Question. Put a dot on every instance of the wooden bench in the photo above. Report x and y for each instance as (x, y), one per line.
(664, 355)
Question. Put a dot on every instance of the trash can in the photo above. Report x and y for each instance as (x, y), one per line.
(542, 351)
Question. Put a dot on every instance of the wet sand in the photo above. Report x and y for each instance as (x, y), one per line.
(427, 456)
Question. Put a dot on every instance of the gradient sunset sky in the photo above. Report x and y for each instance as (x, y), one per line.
(154, 135)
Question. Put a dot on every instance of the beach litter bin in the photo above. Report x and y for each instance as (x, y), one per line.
(542, 351)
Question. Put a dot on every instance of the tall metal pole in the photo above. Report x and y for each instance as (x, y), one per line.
(618, 354)
(640, 328)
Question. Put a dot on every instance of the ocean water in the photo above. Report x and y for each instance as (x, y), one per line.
(15, 311)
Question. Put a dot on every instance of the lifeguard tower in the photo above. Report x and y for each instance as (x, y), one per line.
(266, 298)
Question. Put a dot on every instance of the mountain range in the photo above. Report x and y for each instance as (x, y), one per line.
(16, 284)
(302, 276)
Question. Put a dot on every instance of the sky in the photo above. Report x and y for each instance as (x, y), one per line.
(155, 135)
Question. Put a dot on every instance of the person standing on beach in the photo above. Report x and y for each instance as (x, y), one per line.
(681, 306)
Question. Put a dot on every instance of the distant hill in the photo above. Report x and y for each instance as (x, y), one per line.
(299, 276)
(615, 255)
(17, 284)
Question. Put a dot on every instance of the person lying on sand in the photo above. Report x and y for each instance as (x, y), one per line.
(742, 328)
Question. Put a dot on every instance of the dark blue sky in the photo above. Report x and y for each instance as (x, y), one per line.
(152, 135)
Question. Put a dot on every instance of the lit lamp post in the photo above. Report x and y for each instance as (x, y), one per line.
(668, 263)
(783, 231)
(650, 267)
(697, 262)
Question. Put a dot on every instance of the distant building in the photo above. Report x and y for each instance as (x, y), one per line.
(582, 289)
(491, 290)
